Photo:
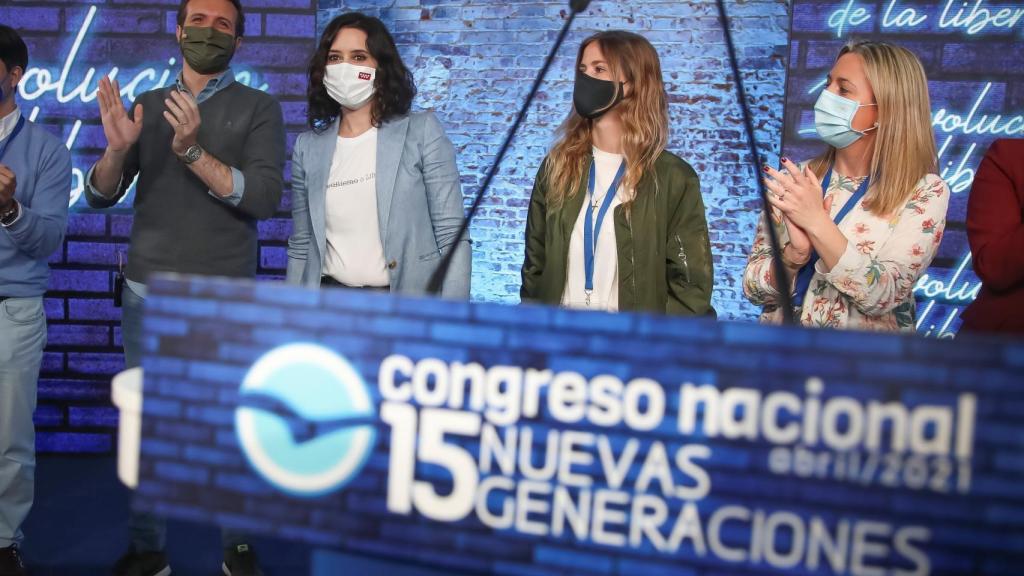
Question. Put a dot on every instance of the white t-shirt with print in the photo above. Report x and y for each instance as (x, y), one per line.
(354, 255)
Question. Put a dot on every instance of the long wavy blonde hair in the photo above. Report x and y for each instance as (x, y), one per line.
(644, 114)
(905, 144)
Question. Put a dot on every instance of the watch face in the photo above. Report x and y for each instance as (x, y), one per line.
(7, 217)
(193, 153)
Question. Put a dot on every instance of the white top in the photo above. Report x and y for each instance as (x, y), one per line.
(7, 123)
(354, 255)
(606, 256)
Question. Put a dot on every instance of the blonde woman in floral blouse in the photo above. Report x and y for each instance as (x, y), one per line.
(862, 222)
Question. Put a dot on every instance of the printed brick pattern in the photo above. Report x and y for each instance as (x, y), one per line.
(84, 328)
(191, 466)
(473, 64)
(965, 70)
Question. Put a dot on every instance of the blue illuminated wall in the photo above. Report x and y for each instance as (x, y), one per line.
(973, 54)
(208, 336)
(71, 45)
(473, 62)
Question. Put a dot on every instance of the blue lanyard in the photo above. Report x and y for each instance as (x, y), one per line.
(590, 230)
(803, 278)
(13, 135)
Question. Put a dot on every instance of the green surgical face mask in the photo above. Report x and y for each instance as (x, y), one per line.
(206, 50)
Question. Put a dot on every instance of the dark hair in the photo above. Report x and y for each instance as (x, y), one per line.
(239, 22)
(394, 87)
(12, 48)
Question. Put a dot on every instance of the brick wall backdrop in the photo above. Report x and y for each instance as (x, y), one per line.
(136, 37)
(474, 60)
(206, 336)
(976, 85)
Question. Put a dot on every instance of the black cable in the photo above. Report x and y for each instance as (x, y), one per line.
(437, 278)
(781, 274)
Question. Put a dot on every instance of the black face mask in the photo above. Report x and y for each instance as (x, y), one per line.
(593, 97)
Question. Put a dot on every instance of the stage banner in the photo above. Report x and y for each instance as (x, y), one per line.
(486, 438)
(972, 52)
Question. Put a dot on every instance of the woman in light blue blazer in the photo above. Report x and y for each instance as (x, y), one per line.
(376, 198)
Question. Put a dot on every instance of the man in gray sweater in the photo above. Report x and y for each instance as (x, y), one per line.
(209, 155)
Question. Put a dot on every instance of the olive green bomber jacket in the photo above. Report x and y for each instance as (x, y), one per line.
(664, 254)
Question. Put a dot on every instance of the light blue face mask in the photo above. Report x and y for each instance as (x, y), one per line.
(833, 119)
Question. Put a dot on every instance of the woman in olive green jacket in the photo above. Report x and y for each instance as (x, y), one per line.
(615, 221)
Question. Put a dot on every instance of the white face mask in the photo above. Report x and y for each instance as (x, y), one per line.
(349, 85)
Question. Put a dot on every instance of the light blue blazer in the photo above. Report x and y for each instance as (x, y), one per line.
(419, 205)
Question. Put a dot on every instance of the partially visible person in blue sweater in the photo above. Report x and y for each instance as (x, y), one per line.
(35, 181)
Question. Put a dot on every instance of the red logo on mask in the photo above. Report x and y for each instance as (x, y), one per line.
(364, 75)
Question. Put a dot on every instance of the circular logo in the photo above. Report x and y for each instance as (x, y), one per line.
(305, 419)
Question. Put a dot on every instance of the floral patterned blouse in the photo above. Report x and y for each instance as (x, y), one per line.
(871, 287)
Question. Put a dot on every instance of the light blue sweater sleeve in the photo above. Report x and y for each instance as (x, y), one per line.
(39, 230)
(41, 164)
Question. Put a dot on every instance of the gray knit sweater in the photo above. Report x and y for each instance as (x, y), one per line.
(179, 226)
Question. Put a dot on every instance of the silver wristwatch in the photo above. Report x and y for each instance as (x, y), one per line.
(9, 216)
(192, 153)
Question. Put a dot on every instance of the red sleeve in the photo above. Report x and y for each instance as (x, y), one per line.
(995, 228)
